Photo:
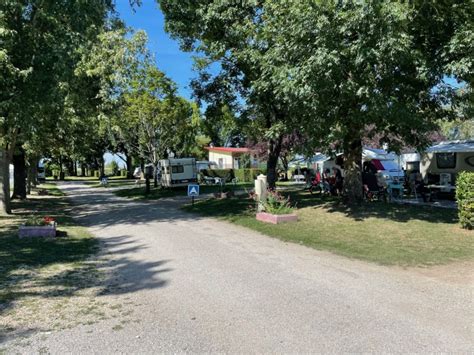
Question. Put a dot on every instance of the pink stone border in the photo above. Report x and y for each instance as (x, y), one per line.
(37, 231)
(276, 218)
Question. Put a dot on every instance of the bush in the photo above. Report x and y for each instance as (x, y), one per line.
(123, 172)
(247, 175)
(465, 199)
(113, 168)
(226, 174)
(277, 204)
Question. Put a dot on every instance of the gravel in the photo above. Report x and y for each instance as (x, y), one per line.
(195, 284)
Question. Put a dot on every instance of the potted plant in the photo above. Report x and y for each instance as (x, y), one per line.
(276, 209)
(38, 227)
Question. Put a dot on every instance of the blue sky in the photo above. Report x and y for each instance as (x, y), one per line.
(170, 59)
(176, 64)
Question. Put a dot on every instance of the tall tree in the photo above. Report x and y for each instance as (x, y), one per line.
(356, 69)
(40, 42)
(230, 33)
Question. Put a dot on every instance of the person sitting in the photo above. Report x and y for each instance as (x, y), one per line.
(316, 182)
(326, 181)
(338, 182)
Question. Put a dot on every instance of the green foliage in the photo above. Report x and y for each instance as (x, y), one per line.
(226, 174)
(336, 71)
(113, 168)
(277, 203)
(465, 199)
(123, 172)
(247, 175)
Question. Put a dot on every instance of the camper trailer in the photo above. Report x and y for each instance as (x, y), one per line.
(380, 160)
(178, 172)
(441, 163)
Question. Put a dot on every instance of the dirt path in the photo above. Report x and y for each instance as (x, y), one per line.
(191, 284)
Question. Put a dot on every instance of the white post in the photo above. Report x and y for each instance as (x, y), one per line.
(261, 190)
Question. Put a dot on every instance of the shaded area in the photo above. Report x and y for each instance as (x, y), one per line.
(47, 268)
(138, 192)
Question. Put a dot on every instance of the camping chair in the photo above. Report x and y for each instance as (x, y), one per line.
(316, 183)
(372, 190)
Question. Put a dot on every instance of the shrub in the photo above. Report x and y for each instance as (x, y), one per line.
(123, 172)
(277, 204)
(247, 175)
(226, 174)
(465, 199)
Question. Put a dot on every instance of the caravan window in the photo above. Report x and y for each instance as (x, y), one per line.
(446, 160)
(177, 169)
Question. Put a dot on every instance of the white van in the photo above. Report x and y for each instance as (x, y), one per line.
(178, 172)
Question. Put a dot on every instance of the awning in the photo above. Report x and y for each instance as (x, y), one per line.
(453, 147)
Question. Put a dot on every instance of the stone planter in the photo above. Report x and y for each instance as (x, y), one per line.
(276, 218)
(37, 231)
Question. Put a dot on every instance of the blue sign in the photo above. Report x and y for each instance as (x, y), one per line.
(193, 190)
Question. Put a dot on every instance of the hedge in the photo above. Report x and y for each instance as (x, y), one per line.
(226, 174)
(247, 175)
(465, 199)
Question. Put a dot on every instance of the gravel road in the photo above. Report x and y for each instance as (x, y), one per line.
(196, 284)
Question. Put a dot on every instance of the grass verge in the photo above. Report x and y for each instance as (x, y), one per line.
(138, 192)
(39, 276)
(389, 234)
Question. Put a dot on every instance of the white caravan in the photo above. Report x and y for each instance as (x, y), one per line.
(382, 161)
(178, 172)
(441, 163)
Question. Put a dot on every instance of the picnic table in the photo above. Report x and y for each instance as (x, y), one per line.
(299, 179)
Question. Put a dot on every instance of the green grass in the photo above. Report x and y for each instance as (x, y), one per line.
(389, 234)
(54, 266)
(138, 192)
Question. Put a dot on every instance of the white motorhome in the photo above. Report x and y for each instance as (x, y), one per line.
(178, 172)
(382, 161)
(441, 163)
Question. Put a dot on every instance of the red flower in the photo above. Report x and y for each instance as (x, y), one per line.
(48, 219)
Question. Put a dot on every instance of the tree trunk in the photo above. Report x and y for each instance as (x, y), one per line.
(19, 174)
(102, 166)
(274, 148)
(29, 183)
(129, 166)
(83, 169)
(61, 172)
(353, 171)
(5, 206)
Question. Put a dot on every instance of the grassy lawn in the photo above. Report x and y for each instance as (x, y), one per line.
(389, 234)
(138, 192)
(39, 277)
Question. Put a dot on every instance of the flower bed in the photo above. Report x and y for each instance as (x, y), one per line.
(276, 209)
(276, 218)
(38, 227)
